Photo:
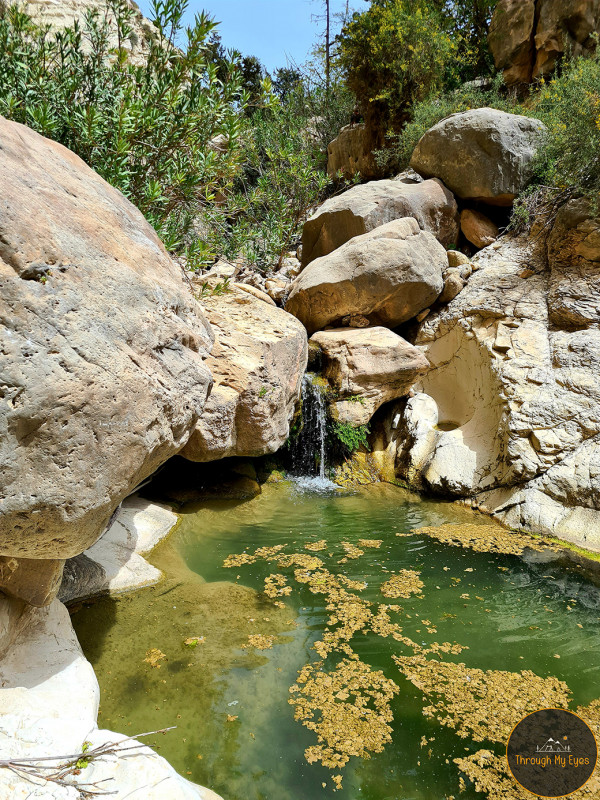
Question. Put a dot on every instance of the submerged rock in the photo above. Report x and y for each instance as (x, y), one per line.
(258, 360)
(103, 377)
(483, 154)
(364, 208)
(49, 705)
(387, 275)
(367, 367)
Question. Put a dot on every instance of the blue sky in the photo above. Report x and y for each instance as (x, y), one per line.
(272, 30)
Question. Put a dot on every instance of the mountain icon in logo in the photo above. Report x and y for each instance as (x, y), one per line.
(554, 746)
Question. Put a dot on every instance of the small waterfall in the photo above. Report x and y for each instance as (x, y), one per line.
(308, 451)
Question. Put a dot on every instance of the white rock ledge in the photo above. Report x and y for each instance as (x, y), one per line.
(115, 564)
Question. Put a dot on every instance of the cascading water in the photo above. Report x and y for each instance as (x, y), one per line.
(308, 450)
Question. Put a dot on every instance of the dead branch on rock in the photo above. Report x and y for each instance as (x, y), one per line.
(62, 769)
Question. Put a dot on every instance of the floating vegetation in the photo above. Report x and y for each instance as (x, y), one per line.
(193, 641)
(276, 586)
(348, 704)
(487, 538)
(404, 584)
(347, 707)
(315, 547)
(259, 641)
(153, 656)
(482, 706)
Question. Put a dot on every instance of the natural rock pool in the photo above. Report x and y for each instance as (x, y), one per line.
(229, 698)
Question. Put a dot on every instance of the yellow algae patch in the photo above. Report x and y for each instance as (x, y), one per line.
(405, 583)
(276, 586)
(259, 641)
(486, 538)
(375, 543)
(352, 551)
(348, 708)
(314, 547)
(153, 656)
(480, 705)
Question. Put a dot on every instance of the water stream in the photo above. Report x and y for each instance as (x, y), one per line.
(236, 730)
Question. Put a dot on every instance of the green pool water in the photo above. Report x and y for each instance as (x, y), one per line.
(236, 731)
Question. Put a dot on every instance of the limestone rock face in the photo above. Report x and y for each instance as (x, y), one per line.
(370, 365)
(49, 704)
(482, 154)
(574, 258)
(102, 378)
(363, 208)
(258, 360)
(62, 13)
(527, 37)
(350, 152)
(387, 275)
(513, 404)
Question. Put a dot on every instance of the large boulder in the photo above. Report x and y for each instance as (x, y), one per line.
(483, 154)
(367, 367)
(387, 275)
(350, 153)
(102, 378)
(509, 413)
(258, 360)
(528, 37)
(48, 708)
(363, 208)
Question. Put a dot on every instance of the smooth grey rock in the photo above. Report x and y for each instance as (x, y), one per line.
(482, 154)
(387, 275)
(364, 208)
(102, 378)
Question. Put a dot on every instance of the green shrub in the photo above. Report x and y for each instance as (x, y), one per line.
(145, 129)
(569, 105)
(348, 438)
(394, 55)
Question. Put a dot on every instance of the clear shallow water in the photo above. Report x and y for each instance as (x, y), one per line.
(526, 614)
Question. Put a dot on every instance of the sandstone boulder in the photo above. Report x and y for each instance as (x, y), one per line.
(511, 39)
(350, 153)
(115, 563)
(387, 275)
(513, 404)
(367, 367)
(477, 228)
(483, 154)
(258, 361)
(103, 376)
(363, 208)
(528, 37)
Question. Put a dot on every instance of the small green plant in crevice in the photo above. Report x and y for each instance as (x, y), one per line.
(347, 439)
(83, 762)
(206, 290)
